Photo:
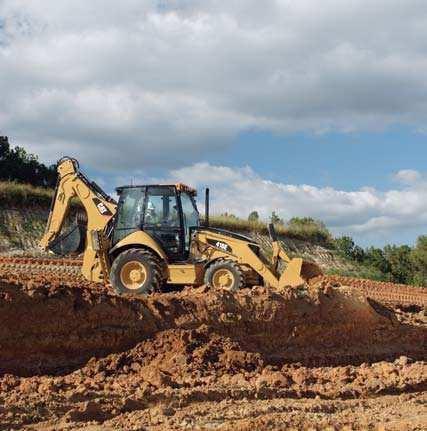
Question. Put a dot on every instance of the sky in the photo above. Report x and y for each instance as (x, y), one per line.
(305, 108)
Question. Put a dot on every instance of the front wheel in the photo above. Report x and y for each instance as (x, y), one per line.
(135, 271)
(224, 274)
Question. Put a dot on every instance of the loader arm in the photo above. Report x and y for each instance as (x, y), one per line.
(100, 209)
(213, 244)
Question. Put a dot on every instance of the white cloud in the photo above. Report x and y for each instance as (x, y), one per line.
(127, 83)
(361, 212)
(408, 176)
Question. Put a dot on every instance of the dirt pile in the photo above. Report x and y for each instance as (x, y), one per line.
(60, 326)
(198, 379)
(381, 291)
(73, 355)
(390, 294)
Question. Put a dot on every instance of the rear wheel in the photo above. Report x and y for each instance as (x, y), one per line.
(136, 271)
(225, 275)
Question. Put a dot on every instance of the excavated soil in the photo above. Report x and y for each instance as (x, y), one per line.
(73, 355)
(385, 292)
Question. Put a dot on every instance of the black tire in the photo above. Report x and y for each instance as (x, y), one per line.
(233, 275)
(144, 264)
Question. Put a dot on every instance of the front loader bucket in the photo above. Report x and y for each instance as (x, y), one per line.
(310, 270)
(70, 242)
(298, 272)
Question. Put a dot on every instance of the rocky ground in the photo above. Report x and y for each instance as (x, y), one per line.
(73, 355)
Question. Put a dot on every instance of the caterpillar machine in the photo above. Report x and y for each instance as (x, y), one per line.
(153, 237)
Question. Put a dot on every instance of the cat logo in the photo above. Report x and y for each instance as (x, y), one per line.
(103, 210)
(221, 245)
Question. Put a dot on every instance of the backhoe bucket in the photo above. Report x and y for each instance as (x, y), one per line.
(70, 242)
(298, 272)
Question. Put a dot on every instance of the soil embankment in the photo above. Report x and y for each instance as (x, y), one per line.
(76, 356)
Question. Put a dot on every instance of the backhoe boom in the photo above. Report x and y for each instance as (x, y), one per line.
(100, 209)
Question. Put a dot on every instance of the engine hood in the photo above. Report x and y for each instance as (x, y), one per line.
(229, 234)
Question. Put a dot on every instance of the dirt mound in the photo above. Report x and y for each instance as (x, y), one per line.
(59, 326)
(202, 359)
(198, 379)
(385, 292)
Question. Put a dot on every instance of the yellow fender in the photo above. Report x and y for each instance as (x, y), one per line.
(140, 239)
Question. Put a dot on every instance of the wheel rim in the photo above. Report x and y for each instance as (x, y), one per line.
(223, 279)
(133, 275)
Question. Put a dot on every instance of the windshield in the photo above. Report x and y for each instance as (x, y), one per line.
(129, 215)
(161, 209)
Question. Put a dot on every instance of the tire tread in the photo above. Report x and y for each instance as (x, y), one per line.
(221, 263)
(152, 260)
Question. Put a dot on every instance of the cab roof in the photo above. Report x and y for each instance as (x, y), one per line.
(179, 186)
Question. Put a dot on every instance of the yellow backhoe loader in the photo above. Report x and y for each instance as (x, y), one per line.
(153, 237)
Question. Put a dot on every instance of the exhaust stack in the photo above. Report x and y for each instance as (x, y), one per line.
(207, 207)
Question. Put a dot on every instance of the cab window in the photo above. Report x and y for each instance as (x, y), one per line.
(130, 210)
(161, 219)
(161, 207)
(190, 216)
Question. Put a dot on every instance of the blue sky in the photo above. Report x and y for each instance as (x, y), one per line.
(341, 161)
(345, 161)
(304, 108)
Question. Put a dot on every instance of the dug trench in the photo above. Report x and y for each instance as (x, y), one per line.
(56, 326)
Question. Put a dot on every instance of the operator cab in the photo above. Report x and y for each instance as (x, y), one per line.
(166, 212)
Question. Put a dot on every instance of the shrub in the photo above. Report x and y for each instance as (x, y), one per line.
(15, 194)
(375, 257)
(276, 220)
(347, 248)
(253, 216)
(18, 165)
(399, 258)
(419, 261)
(21, 195)
(312, 232)
(308, 228)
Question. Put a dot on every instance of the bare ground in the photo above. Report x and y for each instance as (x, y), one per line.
(73, 355)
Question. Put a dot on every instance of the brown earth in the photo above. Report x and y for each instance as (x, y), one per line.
(73, 355)
(385, 292)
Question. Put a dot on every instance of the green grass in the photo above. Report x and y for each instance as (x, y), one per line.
(311, 233)
(20, 195)
(23, 195)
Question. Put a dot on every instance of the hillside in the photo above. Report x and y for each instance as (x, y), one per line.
(24, 211)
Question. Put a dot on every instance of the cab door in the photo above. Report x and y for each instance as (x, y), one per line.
(190, 219)
(162, 220)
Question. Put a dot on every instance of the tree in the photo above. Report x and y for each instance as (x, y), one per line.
(275, 219)
(348, 249)
(419, 261)
(253, 216)
(375, 257)
(399, 258)
(18, 165)
(4, 148)
(345, 246)
(358, 254)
